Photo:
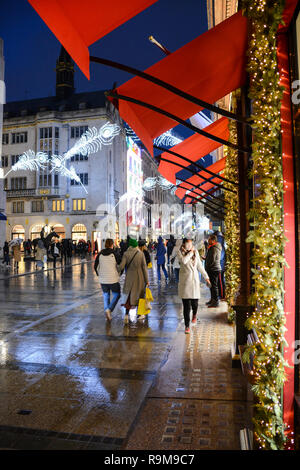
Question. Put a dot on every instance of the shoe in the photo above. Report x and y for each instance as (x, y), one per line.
(108, 314)
(187, 331)
(194, 320)
(214, 305)
(126, 320)
(209, 302)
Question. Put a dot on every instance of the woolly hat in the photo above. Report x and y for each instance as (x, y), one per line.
(133, 242)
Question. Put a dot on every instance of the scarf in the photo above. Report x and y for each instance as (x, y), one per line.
(185, 252)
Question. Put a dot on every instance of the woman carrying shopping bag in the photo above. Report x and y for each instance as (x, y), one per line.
(136, 276)
(106, 268)
(189, 283)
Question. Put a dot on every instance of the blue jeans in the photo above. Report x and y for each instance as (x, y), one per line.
(176, 271)
(116, 291)
(162, 266)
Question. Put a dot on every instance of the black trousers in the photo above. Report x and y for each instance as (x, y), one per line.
(187, 305)
(222, 284)
(214, 280)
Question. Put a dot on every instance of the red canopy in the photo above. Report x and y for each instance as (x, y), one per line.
(193, 148)
(77, 23)
(196, 179)
(209, 67)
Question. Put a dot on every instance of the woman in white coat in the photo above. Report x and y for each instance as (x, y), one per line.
(189, 283)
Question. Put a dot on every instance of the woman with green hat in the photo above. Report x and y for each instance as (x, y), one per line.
(136, 276)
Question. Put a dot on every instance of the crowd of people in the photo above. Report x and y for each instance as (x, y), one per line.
(179, 259)
(187, 264)
(42, 252)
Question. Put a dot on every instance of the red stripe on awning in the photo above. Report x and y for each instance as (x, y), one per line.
(77, 23)
(216, 167)
(209, 67)
(193, 148)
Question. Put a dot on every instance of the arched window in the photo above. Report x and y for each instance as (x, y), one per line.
(18, 231)
(79, 232)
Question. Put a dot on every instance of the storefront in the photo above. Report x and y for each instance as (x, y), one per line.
(294, 49)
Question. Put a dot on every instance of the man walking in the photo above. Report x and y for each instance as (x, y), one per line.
(213, 269)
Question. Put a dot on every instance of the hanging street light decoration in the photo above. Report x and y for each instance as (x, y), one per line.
(90, 142)
(168, 138)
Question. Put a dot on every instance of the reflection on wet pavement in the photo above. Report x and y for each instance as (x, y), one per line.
(70, 380)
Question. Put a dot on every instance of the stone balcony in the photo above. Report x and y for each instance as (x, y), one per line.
(36, 192)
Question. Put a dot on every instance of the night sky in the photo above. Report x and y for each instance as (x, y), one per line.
(31, 49)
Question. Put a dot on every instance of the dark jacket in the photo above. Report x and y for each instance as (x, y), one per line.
(147, 256)
(213, 258)
(160, 251)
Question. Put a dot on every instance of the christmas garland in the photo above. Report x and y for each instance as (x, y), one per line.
(232, 224)
(266, 221)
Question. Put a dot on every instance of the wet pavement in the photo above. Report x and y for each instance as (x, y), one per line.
(70, 380)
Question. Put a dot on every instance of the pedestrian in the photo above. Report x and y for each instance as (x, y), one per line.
(6, 254)
(213, 269)
(16, 249)
(136, 278)
(170, 247)
(174, 259)
(106, 268)
(221, 281)
(40, 254)
(143, 248)
(189, 282)
(55, 252)
(161, 258)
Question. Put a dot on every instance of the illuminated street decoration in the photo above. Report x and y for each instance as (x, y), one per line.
(151, 183)
(30, 160)
(169, 139)
(93, 139)
(90, 142)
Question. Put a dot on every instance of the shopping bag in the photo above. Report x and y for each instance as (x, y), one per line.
(150, 265)
(149, 295)
(142, 310)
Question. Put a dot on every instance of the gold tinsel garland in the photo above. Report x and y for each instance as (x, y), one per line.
(266, 221)
(232, 224)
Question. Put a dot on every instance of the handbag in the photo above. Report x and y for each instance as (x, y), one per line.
(143, 308)
(149, 266)
(149, 295)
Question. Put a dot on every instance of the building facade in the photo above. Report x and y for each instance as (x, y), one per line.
(43, 198)
(2, 192)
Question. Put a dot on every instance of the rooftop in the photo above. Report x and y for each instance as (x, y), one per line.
(77, 101)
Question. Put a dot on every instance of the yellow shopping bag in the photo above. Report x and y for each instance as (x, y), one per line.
(143, 308)
(149, 295)
(149, 265)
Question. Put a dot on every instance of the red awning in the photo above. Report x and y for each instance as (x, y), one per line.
(193, 148)
(77, 23)
(216, 167)
(209, 67)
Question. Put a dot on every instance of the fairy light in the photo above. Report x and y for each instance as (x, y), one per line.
(232, 223)
(266, 220)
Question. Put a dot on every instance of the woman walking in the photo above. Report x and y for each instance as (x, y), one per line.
(161, 259)
(41, 252)
(16, 249)
(136, 276)
(143, 248)
(106, 269)
(189, 283)
(6, 254)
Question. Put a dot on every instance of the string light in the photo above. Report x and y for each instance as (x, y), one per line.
(266, 221)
